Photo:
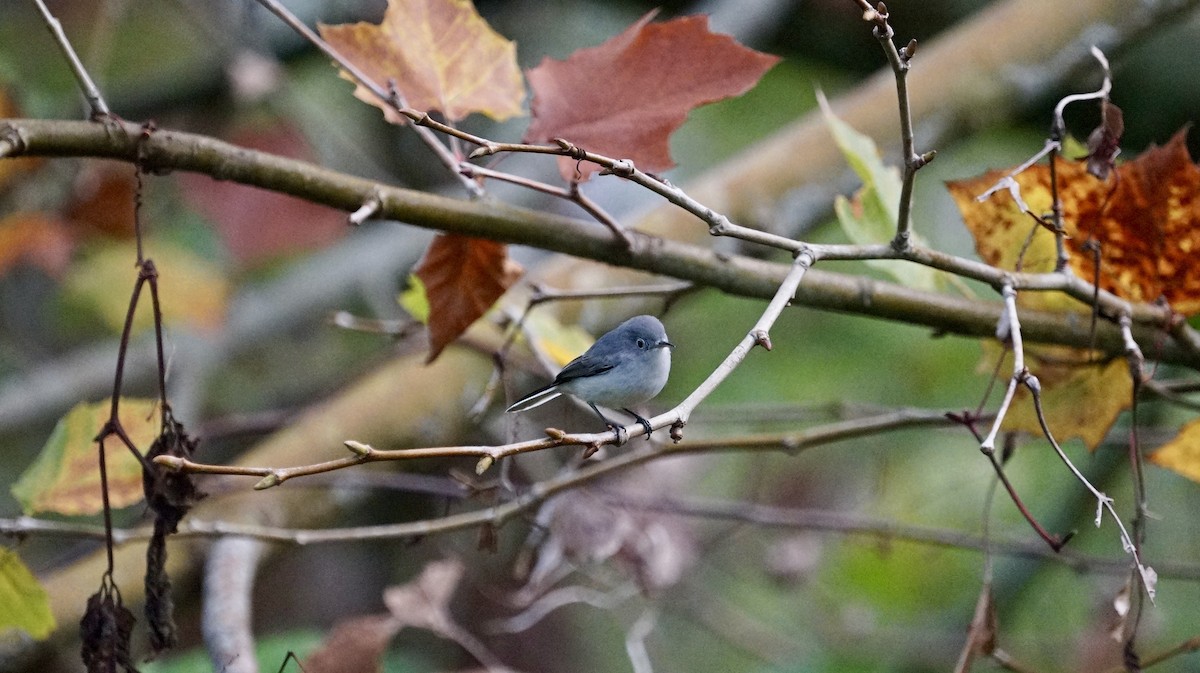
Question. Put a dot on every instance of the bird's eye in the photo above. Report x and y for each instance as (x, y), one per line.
(641, 343)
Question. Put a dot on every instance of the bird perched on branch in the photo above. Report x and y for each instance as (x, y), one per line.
(627, 366)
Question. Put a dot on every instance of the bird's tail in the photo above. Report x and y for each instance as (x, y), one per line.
(535, 399)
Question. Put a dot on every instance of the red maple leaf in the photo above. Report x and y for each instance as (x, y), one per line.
(625, 97)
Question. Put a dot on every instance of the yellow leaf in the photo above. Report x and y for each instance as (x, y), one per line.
(558, 343)
(24, 604)
(192, 292)
(1181, 454)
(414, 300)
(65, 478)
(440, 54)
(1079, 398)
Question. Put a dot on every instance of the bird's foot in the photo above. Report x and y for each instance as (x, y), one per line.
(622, 433)
(645, 423)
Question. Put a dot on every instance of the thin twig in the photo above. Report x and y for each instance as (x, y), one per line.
(388, 95)
(1010, 330)
(759, 335)
(90, 91)
(1147, 575)
(571, 194)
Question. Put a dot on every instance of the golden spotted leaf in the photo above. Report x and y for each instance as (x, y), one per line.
(1181, 454)
(1080, 398)
(65, 478)
(440, 54)
(1145, 218)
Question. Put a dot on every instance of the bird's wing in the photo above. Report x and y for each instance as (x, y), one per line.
(580, 367)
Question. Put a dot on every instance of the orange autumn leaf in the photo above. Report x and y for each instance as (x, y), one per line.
(1080, 398)
(440, 54)
(1181, 454)
(463, 277)
(626, 96)
(1146, 220)
(38, 239)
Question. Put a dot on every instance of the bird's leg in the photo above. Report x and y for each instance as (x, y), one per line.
(645, 423)
(608, 423)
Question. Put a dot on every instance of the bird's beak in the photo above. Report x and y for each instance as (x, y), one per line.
(665, 344)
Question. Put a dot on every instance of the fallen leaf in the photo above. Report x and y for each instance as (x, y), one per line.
(440, 54)
(1080, 398)
(1146, 220)
(425, 602)
(1182, 453)
(257, 225)
(626, 96)
(65, 478)
(24, 603)
(354, 646)
(463, 277)
(39, 239)
(192, 291)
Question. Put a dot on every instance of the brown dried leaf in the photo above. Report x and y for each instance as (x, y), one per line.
(102, 200)
(169, 495)
(625, 97)
(463, 277)
(440, 54)
(425, 602)
(1104, 143)
(105, 631)
(354, 646)
(1147, 221)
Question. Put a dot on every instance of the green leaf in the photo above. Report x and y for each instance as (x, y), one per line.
(871, 216)
(65, 478)
(414, 300)
(24, 604)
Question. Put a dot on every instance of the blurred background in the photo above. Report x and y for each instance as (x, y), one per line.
(251, 280)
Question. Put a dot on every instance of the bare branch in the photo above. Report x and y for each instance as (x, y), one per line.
(90, 91)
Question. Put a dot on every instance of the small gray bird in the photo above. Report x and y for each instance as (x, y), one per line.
(627, 366)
